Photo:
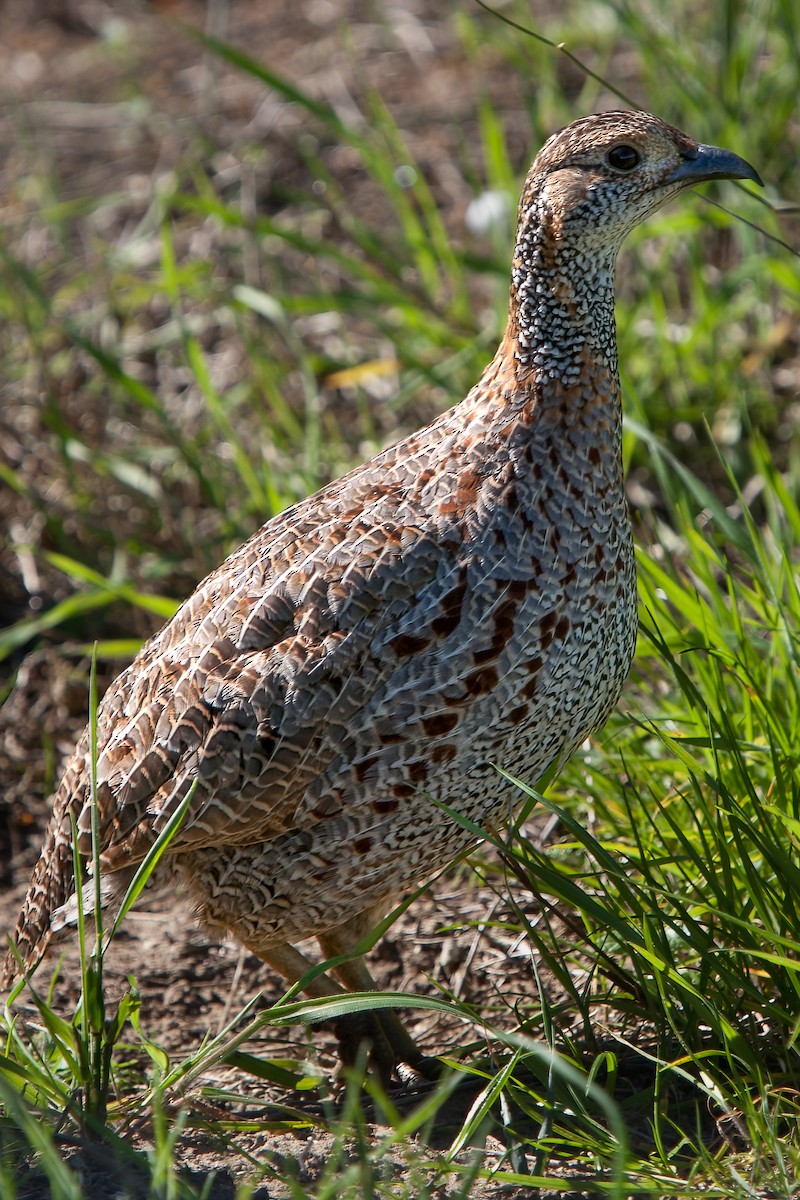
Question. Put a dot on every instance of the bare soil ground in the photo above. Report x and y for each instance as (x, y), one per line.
(65, 111)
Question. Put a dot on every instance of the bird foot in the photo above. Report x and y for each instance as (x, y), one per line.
(391, 1055)
(419, 1072)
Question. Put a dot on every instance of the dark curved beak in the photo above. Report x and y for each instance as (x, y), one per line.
(710, 162)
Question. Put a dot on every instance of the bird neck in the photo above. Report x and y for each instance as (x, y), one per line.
(555, 373)
(561, 314)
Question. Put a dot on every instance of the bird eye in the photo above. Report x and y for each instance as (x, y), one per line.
(623, 158)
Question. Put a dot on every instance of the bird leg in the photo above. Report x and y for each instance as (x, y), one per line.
(391, 1043)
(383, 1032)
(352, 1029)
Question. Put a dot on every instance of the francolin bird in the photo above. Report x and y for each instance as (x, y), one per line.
(464, 600)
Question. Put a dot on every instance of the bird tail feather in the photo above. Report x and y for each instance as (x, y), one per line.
(53, 879)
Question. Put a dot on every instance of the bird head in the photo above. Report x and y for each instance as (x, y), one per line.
(592, 182)
(589, 185)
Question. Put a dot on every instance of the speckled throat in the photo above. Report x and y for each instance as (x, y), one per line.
(562, 304)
